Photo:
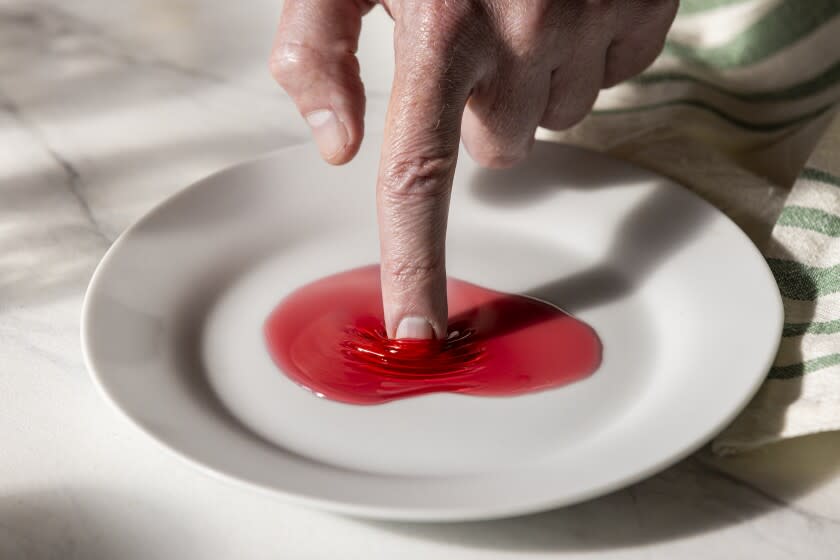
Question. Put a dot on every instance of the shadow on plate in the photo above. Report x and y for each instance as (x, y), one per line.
(536, 178)
(654, 230)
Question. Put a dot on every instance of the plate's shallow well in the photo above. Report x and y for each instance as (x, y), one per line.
(687, 310)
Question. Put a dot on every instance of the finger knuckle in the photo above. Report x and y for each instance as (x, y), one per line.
(503, 161)
(448, 12)
(290, 59)
(565, 116)
(498, 158)
(441, 25)
(405, 271)
(418, 176)
(524, 25)
(284, 64)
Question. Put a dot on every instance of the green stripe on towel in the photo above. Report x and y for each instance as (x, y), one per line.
(810, 218)
(819, 327)
(695, 6)
(697, 104)
(802, 282)
(819, 175)
(779, 28)
(798, 370)
(799, 90)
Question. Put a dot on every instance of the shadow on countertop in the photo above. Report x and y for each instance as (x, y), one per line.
(92, 525)
(686, 501)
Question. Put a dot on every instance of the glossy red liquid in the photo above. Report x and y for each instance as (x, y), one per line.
(329, 337)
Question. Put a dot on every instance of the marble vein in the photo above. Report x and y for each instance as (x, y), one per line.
(73, 179)
(118, 51)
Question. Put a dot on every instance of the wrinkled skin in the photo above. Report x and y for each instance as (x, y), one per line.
(485, 71)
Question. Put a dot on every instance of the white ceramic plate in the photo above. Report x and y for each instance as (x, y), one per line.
(687, 310)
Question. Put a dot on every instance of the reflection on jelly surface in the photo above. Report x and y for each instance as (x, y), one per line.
(329, 337)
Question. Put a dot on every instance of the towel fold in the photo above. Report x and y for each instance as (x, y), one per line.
(741, 108)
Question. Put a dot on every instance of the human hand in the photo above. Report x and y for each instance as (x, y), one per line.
(486, 71)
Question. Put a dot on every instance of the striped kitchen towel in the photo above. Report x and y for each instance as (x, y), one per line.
(741, 107)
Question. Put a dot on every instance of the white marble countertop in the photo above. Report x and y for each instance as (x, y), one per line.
(105, 109)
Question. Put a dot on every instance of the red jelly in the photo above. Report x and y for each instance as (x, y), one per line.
(329, 337)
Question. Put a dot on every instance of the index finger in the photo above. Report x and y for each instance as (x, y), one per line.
(419, 154)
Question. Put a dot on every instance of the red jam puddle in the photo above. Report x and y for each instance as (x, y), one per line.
(329, 337)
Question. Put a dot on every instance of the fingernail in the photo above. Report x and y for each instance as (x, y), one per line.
(415, 327)
(329, 133)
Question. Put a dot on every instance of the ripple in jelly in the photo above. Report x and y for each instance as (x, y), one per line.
(329, 337)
